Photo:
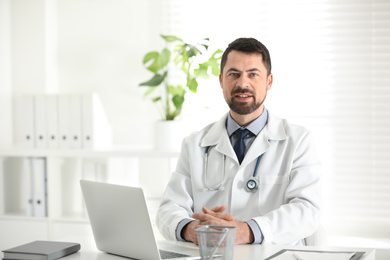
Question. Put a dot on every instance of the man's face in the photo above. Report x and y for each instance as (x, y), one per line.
(245, 83)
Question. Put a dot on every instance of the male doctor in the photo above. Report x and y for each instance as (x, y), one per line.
(251, 169)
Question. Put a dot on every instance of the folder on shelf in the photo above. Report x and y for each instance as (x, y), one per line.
(40, 187)
(40, 121)
(24, 121)
(36, 187)
(52, 121)
(64, 120)
(75, 120)
(29, 187)
(96, 129)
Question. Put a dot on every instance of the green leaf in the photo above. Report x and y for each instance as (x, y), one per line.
(214, 62)
(192, 84)
(218, 53)
(149, 91)
(155, 80)
(178, 101)
(149, 56)
(171, 38)
(193, 51)
(164, 57)
(179, 90)
(202, 71)
(205, 46)
(215, 71)
(160, 60)
(156, 99)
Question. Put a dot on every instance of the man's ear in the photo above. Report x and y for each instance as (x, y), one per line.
(270, 80)
(220, 79)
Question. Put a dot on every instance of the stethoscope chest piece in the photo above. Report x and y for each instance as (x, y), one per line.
(252, 185)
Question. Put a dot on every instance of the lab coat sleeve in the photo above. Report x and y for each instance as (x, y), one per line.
(299, 216)
(177, 201)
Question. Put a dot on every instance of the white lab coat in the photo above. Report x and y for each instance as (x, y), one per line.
(287, 205)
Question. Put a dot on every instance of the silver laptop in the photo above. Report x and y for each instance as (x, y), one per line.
(121, 224)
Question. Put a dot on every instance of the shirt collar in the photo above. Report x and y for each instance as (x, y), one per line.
(255, 127)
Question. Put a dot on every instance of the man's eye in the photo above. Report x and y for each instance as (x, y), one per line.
(233, 74)
(254, 74)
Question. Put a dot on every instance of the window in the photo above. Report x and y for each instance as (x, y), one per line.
(331, 64)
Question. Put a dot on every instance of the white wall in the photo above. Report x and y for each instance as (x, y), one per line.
(100, 48)
(5, 74)
(86, 46)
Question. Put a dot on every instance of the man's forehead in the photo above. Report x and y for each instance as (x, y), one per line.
(236, 58)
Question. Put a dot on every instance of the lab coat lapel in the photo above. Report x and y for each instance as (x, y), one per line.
(217, 136)
(274, 130)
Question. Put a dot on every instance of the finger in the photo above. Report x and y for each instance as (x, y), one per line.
(215, 222)
(214, 210)
(223, 216)
(202, 216)
(213, 215)
(219, 209)
(206, 210)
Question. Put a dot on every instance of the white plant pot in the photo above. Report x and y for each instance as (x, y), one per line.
(169, 135)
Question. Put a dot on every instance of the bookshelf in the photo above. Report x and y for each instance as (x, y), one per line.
(66, 214)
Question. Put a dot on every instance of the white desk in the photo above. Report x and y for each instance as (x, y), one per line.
(247, 252)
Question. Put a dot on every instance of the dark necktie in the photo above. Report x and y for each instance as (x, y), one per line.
(239, 147)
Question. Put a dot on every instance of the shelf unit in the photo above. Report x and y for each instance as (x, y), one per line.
(66, 215)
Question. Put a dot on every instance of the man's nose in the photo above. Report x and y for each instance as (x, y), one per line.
(243, 81)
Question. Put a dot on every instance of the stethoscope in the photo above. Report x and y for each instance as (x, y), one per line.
(251, 185)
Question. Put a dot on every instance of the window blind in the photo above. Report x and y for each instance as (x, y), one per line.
(331, 66)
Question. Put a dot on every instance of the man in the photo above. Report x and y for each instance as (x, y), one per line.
(262, 179)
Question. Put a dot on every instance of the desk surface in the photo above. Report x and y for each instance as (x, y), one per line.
(248, 252)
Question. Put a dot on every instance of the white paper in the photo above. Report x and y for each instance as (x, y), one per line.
(308, 255)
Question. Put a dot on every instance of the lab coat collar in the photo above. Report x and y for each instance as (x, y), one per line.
(217, 136)
(273, 131)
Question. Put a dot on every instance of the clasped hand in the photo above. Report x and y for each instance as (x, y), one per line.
(215, 216)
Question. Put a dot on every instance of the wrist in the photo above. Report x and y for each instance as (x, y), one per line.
(184, 231)
(244, 234)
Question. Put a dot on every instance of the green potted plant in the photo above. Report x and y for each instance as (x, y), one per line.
(178, 59)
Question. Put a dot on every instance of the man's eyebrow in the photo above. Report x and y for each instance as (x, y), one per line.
(237, 70)
(233, 69)
(254, 69)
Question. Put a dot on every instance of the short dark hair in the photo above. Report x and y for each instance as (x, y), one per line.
(249, 46)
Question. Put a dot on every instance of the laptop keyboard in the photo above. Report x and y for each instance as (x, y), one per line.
(168, 254)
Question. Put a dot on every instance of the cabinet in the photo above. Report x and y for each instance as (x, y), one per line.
(66, 214)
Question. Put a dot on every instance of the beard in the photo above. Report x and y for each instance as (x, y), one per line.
(243, 108)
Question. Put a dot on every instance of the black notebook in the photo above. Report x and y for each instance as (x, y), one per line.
(41, 250)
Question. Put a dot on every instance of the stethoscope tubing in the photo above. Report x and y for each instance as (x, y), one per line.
(219, 187)
(206, 159)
